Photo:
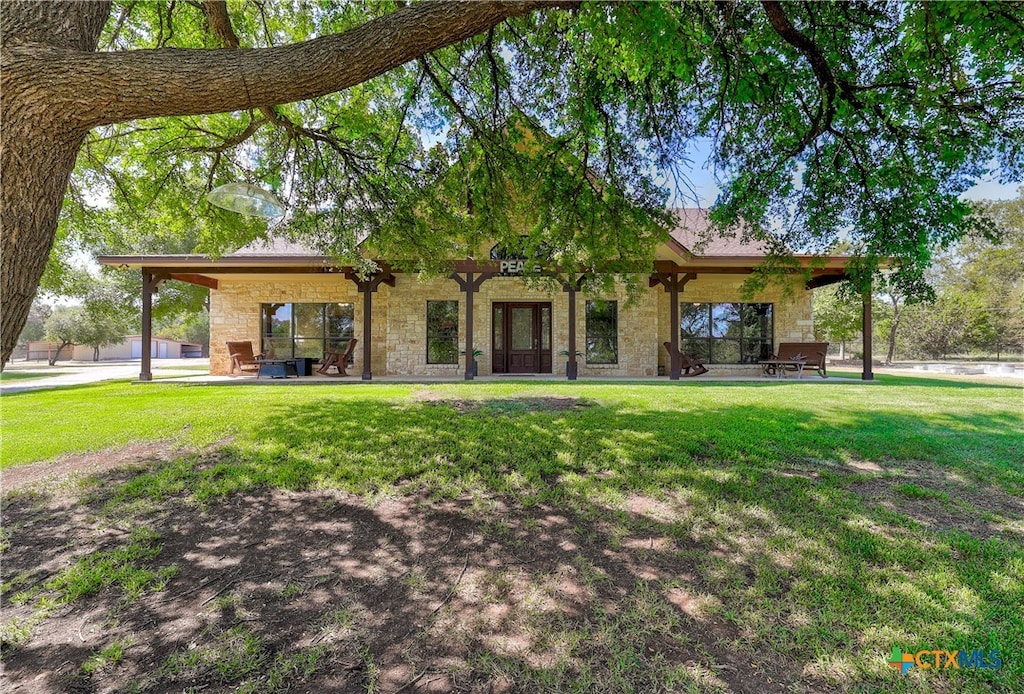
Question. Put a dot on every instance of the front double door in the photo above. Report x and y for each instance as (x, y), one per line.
(521, 337)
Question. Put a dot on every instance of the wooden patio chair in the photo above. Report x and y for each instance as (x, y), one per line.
(687, 362)
(813, 354)
(242, 358)
(339, 360)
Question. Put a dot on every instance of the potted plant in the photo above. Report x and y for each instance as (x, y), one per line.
(476, 367)
(571, 363)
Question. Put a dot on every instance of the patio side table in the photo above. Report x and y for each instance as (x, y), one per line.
(276, 368)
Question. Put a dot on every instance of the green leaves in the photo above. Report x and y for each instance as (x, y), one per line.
(558, 124)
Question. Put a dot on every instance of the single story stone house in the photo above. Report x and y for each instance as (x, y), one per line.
(292, 303)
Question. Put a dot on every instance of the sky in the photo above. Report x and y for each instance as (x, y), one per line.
(703, 181)
(705, 186)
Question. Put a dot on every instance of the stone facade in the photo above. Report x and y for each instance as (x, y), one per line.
(792, 318)
(398, 329)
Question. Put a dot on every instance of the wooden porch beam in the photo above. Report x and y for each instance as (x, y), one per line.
(367, 329)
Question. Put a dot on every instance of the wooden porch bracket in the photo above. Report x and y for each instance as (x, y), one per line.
(470, 284)
(201, 280)
(673, 282)
(823, 278)
(367, 286)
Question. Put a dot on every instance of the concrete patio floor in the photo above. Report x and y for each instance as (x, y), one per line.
(194, 371)
(526, 378)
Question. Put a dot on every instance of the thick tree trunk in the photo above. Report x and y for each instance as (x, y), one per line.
(55, 87)
(36, 168)
(37, 150)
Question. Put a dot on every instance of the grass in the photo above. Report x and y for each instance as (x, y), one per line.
(23, 375)
(124, 568)
(807, 511)
(105, 657)
(913, 491)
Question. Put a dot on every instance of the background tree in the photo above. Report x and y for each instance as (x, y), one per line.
(825, 119)
(993, 273)
(35, 323)
(64, 326)
(890, 319)
(106, 322)
(946, 326)
(838, 316)
(100, 321)
(978, 304)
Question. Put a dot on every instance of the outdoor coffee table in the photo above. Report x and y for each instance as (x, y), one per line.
(276, 368)
(778, 367)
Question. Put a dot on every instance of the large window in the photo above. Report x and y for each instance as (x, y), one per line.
(602, 332)
(306, 330)
(726, 333)
(442, 332)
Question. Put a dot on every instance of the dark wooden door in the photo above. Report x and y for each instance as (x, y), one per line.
(521, 337)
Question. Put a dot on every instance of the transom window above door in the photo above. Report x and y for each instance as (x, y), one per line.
(292, 330)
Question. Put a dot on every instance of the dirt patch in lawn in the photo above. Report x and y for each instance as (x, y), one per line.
(65, 468)
(552, 403)
(318, 591)
(942, 499)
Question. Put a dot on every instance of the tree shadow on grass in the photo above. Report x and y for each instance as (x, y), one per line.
(514, 545)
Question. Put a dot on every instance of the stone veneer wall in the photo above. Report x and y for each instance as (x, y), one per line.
(400, 315)
(407, 350)
(235, 313)
(792, 312)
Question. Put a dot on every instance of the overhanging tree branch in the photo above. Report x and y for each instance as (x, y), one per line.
(141, 84)
(822, 120)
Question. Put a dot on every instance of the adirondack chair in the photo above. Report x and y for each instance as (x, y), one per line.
(242, 358)
(338, 360)
(687, 362)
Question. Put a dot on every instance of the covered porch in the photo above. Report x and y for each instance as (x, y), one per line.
(482, 319)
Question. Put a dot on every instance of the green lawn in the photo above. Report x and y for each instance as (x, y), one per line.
(23, 375)
(829, 523)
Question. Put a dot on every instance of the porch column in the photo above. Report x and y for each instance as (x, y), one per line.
(572, 364)
(673, 327)
(470, 284)
(867, 374)
(367, 325)
(673, 282)
(368, 286)
(470, 293)
(148, 286)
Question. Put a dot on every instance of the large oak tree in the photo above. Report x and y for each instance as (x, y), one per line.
(859, 121)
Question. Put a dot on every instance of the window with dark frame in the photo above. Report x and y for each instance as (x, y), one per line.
(442, 332)
(602, 332)
(291, 330)
(727, 333)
